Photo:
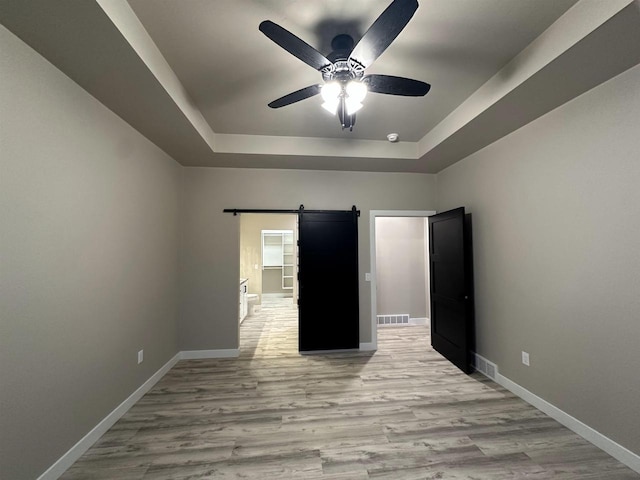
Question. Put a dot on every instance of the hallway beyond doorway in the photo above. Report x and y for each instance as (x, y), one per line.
(272, 331)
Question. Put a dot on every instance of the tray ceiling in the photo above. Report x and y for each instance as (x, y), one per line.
(196, 76)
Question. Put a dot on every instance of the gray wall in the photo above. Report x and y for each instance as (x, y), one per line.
(210, 239)
(88, 249)
(401, 277)
(557, 254)
(272, 282)
(89, 245)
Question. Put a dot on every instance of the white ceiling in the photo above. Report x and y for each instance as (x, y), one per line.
(195, 76)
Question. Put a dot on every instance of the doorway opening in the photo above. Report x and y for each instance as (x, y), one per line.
(327, 267)
(268, 313)
(399, 269)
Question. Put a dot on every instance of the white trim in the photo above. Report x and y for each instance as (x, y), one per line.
(200, 354)
(601, 441)
(75, 452)
(277, 295)
(367, 347)
(372, 259)
(427, 266)
(418, 321)
(322, 352)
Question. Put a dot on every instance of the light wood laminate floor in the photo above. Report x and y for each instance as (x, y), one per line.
(403, 413)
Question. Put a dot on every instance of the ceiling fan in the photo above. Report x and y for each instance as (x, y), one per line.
(342, 70)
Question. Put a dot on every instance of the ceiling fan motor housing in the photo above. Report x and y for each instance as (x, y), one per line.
(342, 71)
(343, 68)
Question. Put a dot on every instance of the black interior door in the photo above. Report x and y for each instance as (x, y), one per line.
(328, 281)
(450, 269)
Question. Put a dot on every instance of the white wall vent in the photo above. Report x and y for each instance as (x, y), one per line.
(484, 366)
(397, 319)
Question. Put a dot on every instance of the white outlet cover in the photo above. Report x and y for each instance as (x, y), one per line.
(140, 356)
(525, 358)
(367, 277)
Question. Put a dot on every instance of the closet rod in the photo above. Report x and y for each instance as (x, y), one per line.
(300, 210)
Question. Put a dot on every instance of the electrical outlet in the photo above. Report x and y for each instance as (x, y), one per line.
(367, 277)
(525, 358)
(140, 356)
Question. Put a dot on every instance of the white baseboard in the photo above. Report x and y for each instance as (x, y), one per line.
(601, 441)
(75, 452)
(200, 354)
(614, 449)
(418, 321)
(325, 352)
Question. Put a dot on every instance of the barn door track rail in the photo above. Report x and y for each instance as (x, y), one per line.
(299, 211)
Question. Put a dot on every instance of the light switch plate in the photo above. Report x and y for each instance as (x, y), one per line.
(525, 358)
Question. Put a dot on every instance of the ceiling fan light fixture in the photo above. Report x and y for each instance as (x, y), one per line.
(331, 92)
(356, 91)
(331, 106)
(343, 69)
(352, 106)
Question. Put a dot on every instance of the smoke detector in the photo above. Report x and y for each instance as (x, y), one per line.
(393, 137)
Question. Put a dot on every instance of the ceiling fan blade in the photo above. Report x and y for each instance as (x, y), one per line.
(296, 96)
(294, 45)
(383, 31)
(396, 85)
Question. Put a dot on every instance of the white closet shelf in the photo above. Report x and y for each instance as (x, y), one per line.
(278, 252)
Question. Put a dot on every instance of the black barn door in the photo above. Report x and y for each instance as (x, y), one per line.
(328, 281)
(450, 269)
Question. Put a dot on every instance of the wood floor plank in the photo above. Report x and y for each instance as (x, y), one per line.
(400, 413)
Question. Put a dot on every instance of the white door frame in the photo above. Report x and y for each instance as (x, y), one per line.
(372, 242)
